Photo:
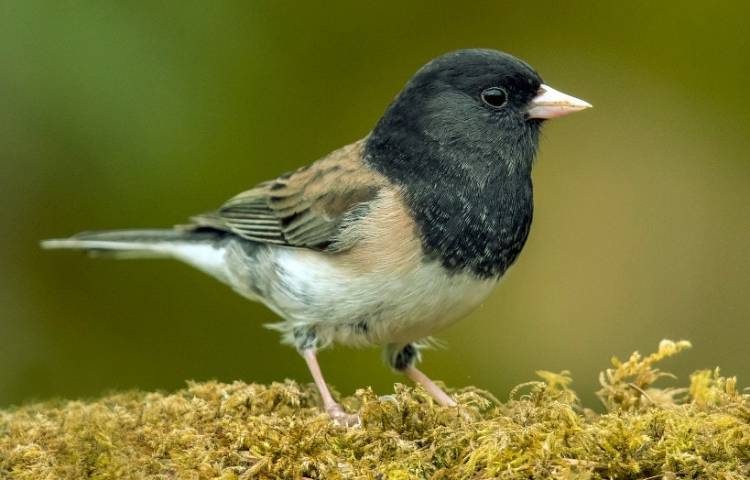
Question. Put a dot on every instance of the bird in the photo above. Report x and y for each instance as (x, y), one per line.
(389, 239)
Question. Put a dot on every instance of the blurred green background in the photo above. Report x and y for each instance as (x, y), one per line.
(139, 114)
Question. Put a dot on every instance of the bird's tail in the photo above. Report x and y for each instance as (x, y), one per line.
(203, 250)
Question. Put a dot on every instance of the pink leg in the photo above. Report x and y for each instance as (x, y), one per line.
(435, 392)
(333, 409)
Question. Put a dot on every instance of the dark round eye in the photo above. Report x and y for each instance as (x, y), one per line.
(495, 97)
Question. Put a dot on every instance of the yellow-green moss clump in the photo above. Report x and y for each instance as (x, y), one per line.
(238, 431)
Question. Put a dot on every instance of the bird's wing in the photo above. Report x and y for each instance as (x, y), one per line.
(305, 208)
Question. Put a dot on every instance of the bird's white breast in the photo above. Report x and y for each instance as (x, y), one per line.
(309, 288)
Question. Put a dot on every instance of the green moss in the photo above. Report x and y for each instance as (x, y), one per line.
(238, 431)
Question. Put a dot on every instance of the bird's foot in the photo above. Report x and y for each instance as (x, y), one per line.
(341, 417)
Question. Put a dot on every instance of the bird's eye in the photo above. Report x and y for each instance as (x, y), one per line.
(495, 97)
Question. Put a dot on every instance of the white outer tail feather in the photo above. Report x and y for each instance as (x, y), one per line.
(136, 248)
(203, 255)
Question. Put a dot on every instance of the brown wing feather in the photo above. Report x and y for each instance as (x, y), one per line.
(305, 208)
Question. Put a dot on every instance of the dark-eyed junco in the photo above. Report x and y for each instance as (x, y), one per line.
(386, 240)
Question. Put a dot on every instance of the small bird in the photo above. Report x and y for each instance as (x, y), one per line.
(388, 239)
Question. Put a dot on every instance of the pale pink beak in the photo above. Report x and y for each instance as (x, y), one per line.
(551, 103)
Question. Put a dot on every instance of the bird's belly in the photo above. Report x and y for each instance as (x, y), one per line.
(311, 289)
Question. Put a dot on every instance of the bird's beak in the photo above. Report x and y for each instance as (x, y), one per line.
(551, 103)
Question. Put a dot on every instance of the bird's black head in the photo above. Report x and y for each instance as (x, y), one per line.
(464, 112)
(459, 141)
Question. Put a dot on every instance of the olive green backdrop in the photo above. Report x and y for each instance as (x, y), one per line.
(132, 114)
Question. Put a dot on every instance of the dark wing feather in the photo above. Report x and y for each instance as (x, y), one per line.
(305, 208)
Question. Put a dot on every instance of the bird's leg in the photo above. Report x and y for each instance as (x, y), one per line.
(334, 410)
(402, 358)
(416, 376)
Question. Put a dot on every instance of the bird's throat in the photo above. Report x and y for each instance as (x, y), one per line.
(473, 216)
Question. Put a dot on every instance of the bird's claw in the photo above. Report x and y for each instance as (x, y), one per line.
(388, 398)
(341, 417)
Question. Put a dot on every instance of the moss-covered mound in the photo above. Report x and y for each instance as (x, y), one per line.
(237, 431)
